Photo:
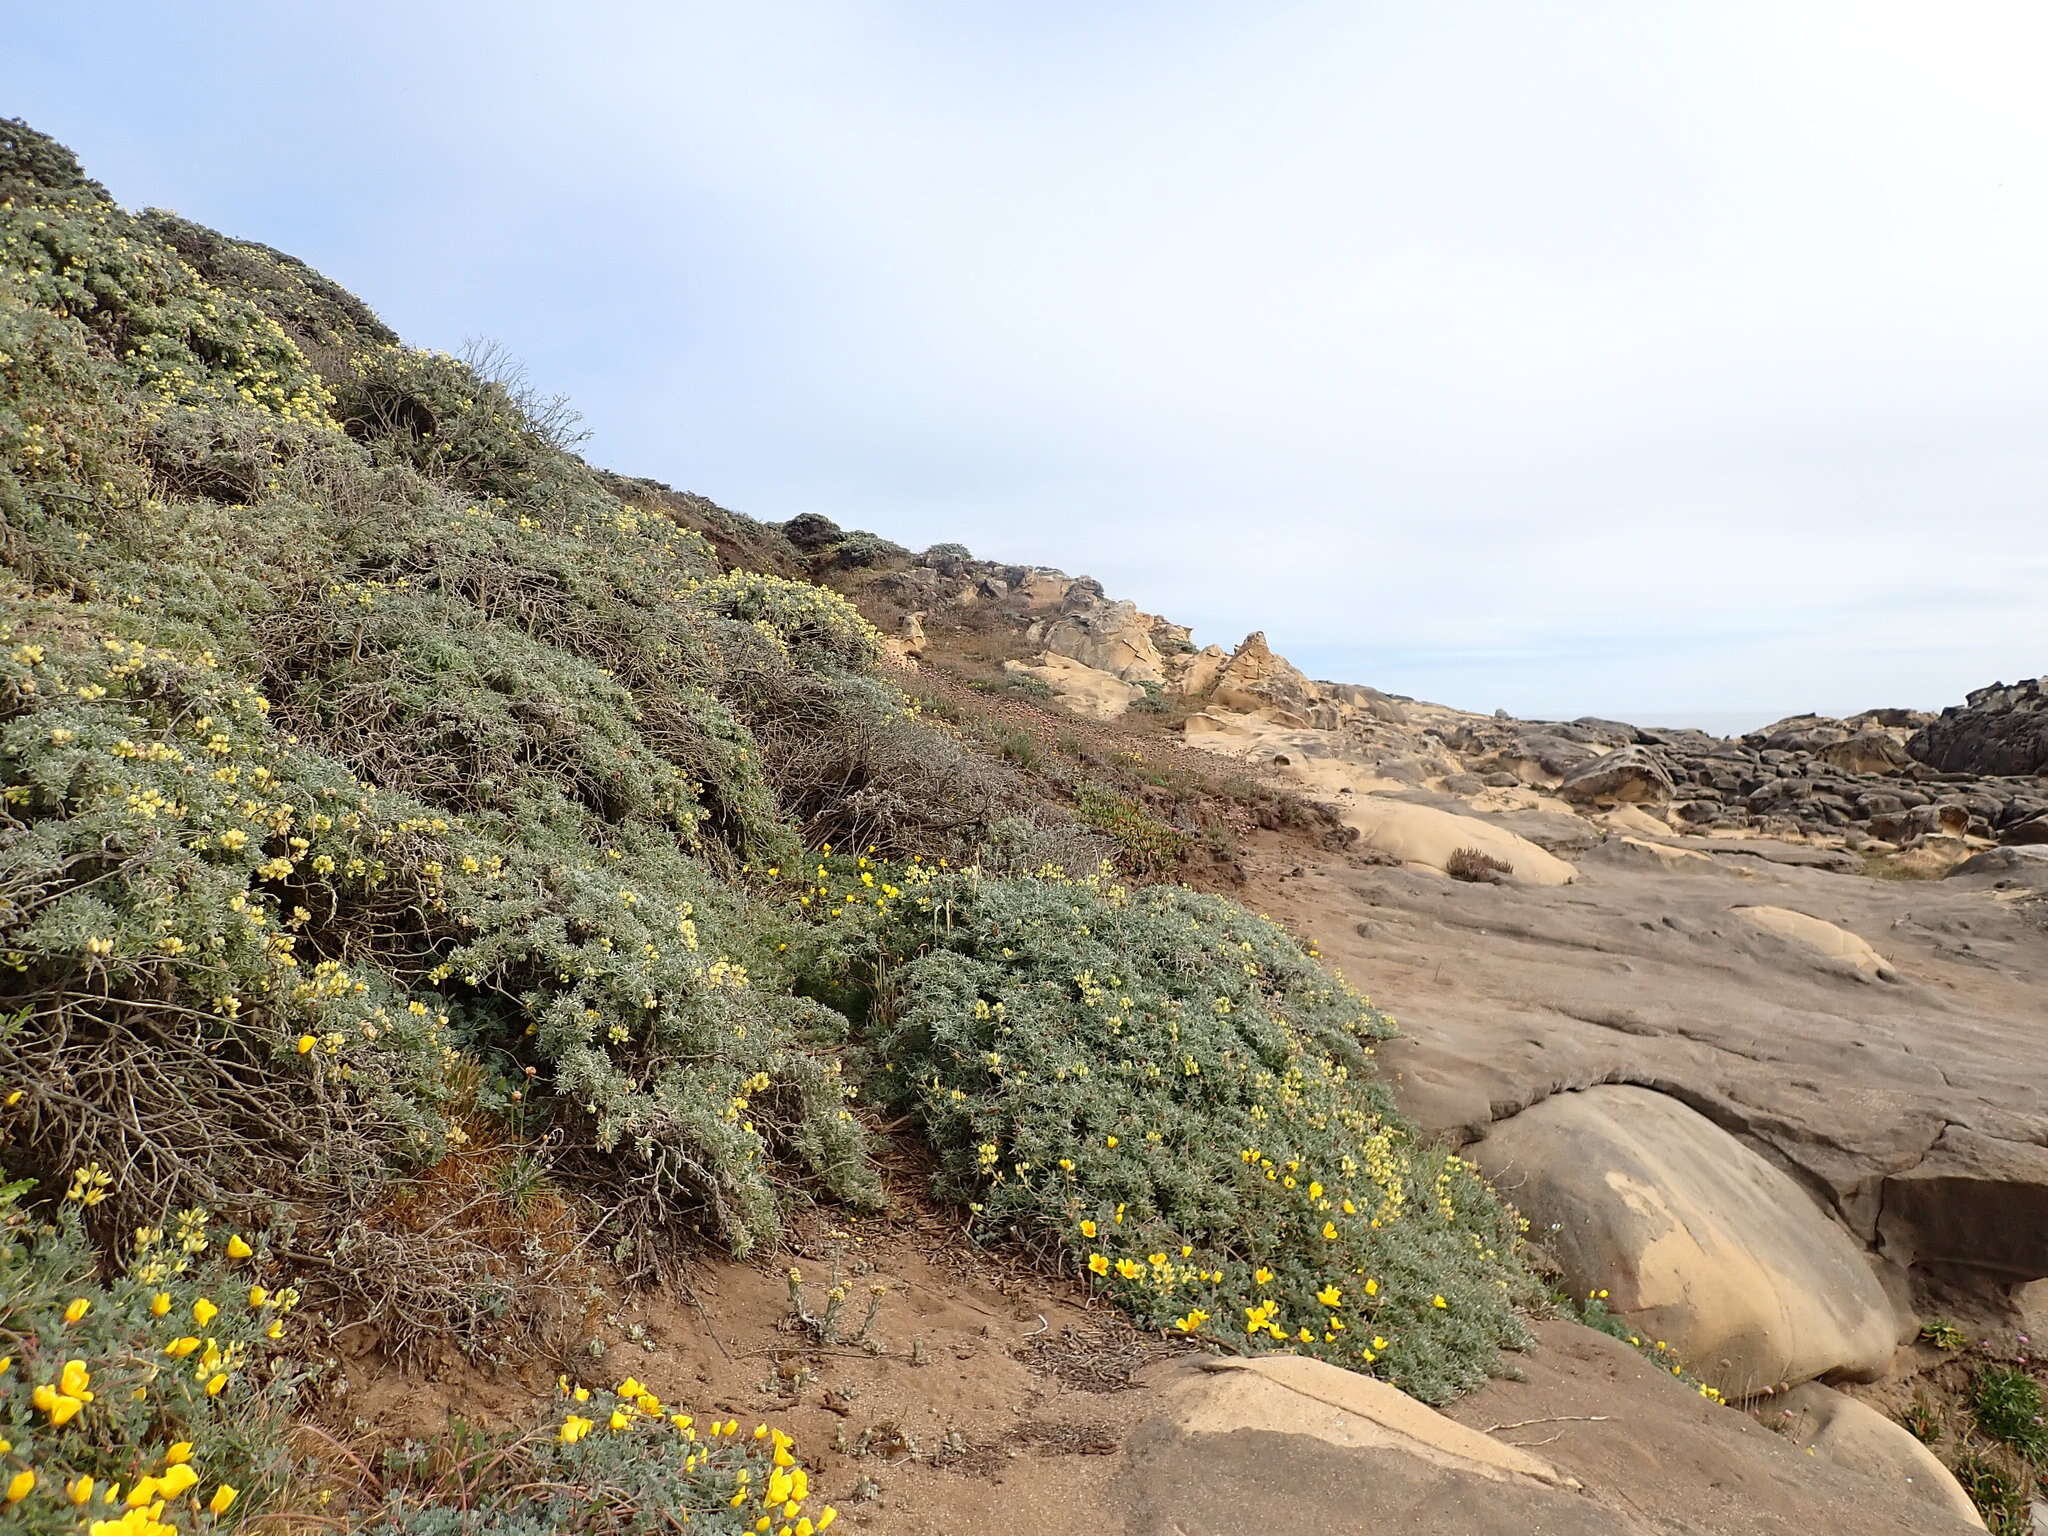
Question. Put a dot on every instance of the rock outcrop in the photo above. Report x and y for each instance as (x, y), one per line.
(1857, 1436)
(1695, 1238)
(2000, 730)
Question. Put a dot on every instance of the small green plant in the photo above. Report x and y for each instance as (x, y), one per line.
(825, 1325)
(1477, 867)
(2007, 1404)
(1999, 1489)
(1149, 845)
(1943, 1334)
(1922, 1419)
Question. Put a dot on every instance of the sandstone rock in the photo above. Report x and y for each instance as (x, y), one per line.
(1697, 1239)
(1853, 1434)
(2000, 730)
(1257, 682)
(1866, 752)
(1312, 1449)
(1199, 672)
(1631, 774)
(1083, 689)
(1424, 835)
(1642, 853)
(910, 635)
(1111, 637)
(1823, 938)
(1536, 757)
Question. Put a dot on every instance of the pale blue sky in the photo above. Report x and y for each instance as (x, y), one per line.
(1660, 360)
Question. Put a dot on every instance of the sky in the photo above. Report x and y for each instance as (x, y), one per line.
(1682, 363)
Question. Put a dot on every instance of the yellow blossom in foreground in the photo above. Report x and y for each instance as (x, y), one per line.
(238, 1249)
(223, 1496)
(20, 1486)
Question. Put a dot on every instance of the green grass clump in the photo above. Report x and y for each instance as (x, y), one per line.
(1167, 1094)
(2008, 1407)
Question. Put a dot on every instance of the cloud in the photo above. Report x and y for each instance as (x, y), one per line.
(1624, 357)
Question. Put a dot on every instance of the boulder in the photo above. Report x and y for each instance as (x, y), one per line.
(1999, 730)
(1082, 689)
(1825, 939)
(1866, 752)
(1111, 637)
(1698, 1241)
(1426, 836)
(1255, 681)
(1855, 1435)
(1627, 774)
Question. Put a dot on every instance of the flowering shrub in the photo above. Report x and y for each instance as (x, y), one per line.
(1167, 1094)
(606, 1461)
(150, 1402)
(808, 623)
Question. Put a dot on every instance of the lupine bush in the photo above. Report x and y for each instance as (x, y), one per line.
(1170, 1096)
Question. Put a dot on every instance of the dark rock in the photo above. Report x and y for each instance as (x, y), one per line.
(2001, 730)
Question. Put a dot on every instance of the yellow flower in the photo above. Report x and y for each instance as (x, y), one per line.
(79, 1489)
(306, 1043)
(179, 1453)
(1329, 1231)
(74, 1379)
(177, 1479)
(237, 1249)
(1262, 1276)
(258, 1295)
(1129, 1268)
(223, 1496)
(1098, 1263)
(160, 1303)
(1439, 1303)
(1109, 1141)
(1330, 1296)
(178, 1349)
(215, 1382)
(204, 1311)
(1087, 1229)
(619, 1420)
(76, 1310)
(20, 1486)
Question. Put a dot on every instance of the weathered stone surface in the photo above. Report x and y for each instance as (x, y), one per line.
(1081, 688)
(1857, 1436)
(1111, 637)
(1257, 682)
(1828, 940)
(1424, 835)
(2000, 730)
(1626, 775)
(1697, 1239)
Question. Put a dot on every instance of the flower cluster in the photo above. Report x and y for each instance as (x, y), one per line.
(146, 1404)
(1170, 1089)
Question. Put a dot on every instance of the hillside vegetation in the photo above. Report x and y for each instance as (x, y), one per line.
(420, 863)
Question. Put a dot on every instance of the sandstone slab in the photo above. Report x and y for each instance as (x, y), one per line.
(1698, 1240)
(1855, 1435)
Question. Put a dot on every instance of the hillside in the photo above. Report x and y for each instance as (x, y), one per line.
(502, 956)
